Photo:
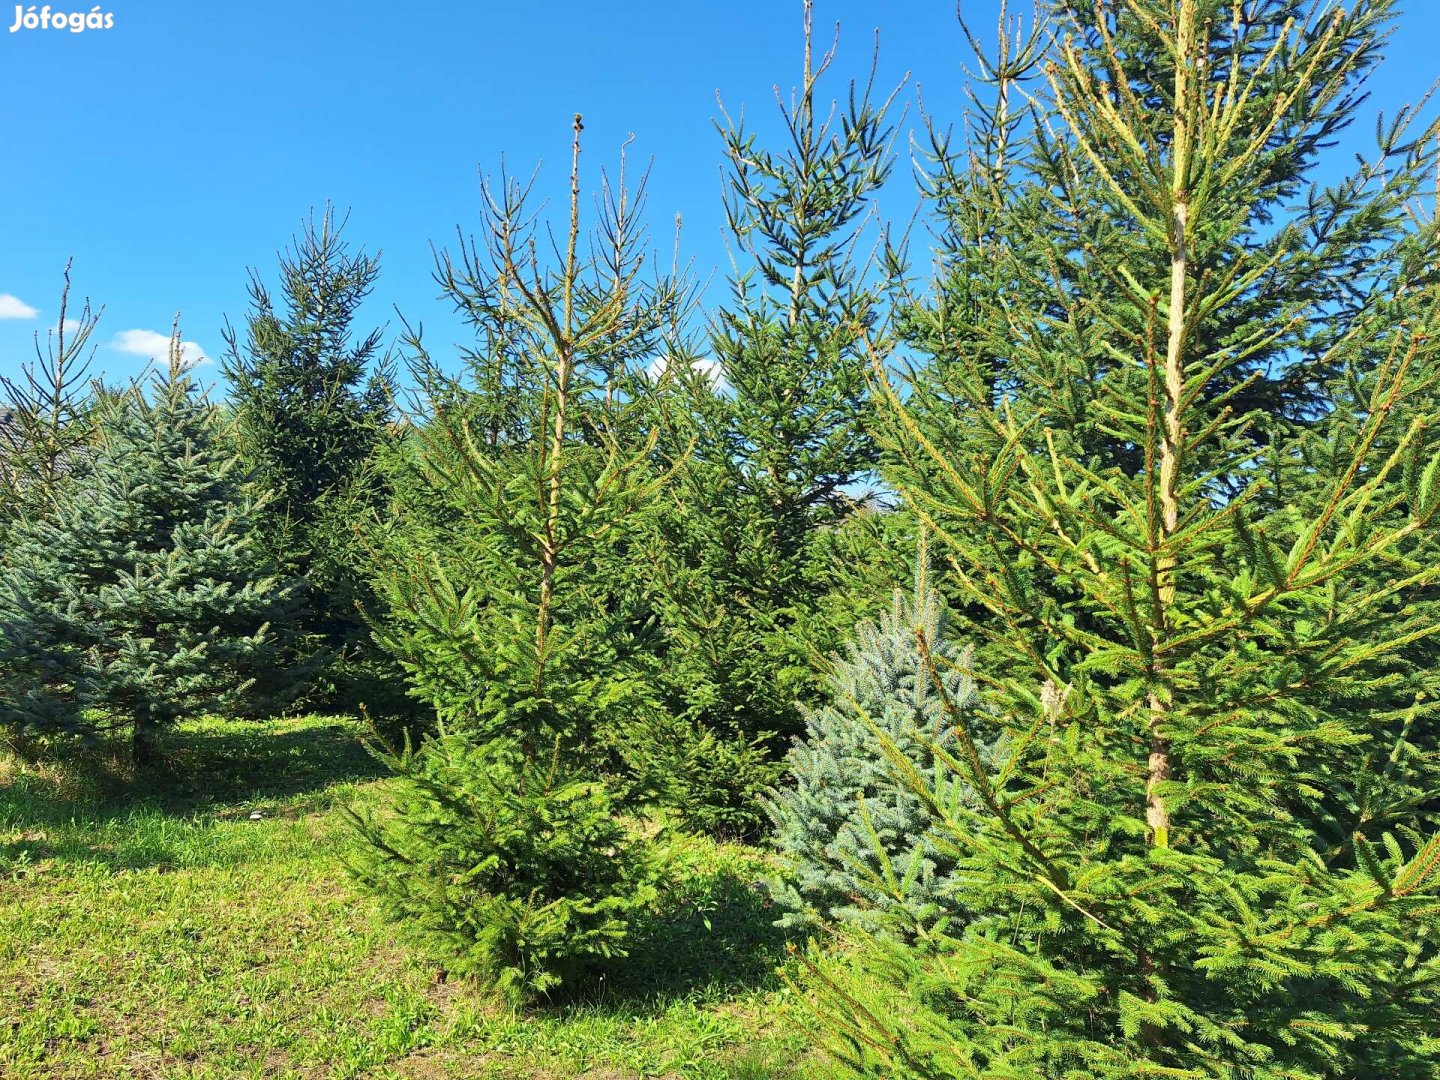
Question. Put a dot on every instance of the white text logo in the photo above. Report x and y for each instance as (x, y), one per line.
(33, 18)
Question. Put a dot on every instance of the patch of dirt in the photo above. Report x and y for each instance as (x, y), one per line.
(442, 1065)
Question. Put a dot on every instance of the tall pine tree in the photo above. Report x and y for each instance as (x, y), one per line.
(777, 452)
(512, 492)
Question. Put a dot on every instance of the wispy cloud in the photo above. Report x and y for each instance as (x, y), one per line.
(155, 346)
(12, 307)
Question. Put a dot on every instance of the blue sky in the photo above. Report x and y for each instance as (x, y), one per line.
(171, 152)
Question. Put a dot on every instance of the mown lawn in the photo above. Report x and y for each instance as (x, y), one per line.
(174, 936)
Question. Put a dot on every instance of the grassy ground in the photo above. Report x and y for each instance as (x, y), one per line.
(174, 936)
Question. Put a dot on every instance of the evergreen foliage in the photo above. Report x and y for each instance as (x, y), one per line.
(1163, 409)
(854, 839)
(46, 421)
(139, 596)
(773, 426)
(311, 401)
(712, 783)
(1209, 845)
(511, 872)
(512, 493)
(518, 484)
(312, 405)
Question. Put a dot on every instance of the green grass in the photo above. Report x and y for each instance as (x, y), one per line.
(172, 936)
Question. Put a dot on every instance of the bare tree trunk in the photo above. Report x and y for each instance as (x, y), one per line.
(1172, 438)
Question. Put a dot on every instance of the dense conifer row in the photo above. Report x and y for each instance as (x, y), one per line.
(1059, 605)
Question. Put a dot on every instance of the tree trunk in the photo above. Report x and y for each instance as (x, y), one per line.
(142, 744)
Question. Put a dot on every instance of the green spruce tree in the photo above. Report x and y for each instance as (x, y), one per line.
(46, 415)
(512, 492)
(312, 404)
(777, 455)
(1209, 847)
(140, 597)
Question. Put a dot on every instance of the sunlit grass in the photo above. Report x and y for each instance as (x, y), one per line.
(167, 934)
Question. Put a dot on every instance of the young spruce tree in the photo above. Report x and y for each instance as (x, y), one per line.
(140, 596)
(46, 417)
(312, 405)
(850, 832)
(511, 494)
(777, 451)
(1209, 848)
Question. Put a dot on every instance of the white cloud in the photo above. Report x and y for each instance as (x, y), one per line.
(156, 346)
(12, 307)
(711, 369)
(70, 327)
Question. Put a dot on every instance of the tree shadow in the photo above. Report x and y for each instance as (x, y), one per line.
(89, 807)
(247, 763)
(714, 937)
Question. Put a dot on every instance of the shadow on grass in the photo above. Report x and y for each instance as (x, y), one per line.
(713, 938)
(720, 939)
(88, 808)
(250, 763)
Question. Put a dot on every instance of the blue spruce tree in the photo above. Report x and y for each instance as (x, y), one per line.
(139, 597)
(855, 840)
